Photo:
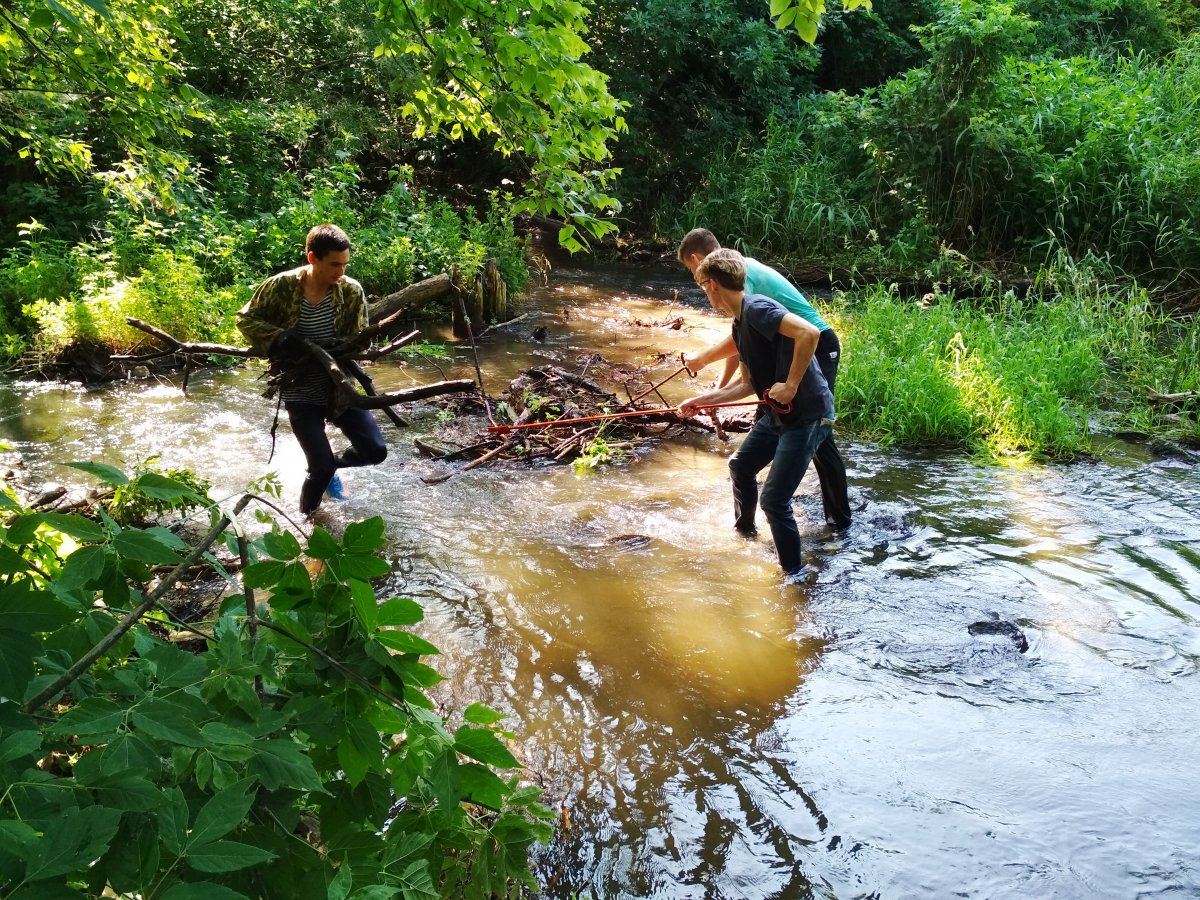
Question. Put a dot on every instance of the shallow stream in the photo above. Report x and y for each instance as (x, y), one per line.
(709, 732)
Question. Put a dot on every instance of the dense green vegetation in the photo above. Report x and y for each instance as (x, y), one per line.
(1012, 379)
(952, 139)
(1082, 155)
(191, 273)
(290, 750)
(179, 153)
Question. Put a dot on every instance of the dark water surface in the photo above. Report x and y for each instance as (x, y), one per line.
(712, 733)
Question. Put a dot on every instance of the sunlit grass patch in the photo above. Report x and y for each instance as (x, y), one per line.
(1009, 378)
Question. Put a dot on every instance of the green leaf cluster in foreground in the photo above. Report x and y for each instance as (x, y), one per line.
(294, 754)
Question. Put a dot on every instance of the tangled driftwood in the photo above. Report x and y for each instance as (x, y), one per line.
(340, 362)
(550, 394)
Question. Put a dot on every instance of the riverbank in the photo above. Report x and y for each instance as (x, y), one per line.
(1034, 371)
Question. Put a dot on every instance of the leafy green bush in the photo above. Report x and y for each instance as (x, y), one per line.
(290, 752)
(791, 195)
(35, 270)
(170, 293)
(152, 492)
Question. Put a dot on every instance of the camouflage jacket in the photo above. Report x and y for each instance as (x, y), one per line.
(276, 305)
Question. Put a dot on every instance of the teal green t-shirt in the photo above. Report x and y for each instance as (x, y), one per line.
(762, 279)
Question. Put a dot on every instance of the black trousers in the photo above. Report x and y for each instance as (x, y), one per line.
(828, 462)
(308, 424)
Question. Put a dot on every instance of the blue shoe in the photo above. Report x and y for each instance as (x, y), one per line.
(336, 490)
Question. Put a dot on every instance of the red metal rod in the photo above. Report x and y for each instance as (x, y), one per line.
(654, 387)
(504, 429)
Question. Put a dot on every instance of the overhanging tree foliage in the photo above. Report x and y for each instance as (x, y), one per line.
(96, 87)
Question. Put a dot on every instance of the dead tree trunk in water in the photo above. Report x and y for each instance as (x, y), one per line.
(485, 299)
(493, 292)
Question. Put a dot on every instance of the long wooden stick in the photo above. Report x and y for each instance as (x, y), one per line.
(656, 411)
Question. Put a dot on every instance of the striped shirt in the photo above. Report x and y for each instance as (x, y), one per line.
(316, 323)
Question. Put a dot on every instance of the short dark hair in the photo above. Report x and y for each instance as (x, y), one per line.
(698, 240)
(323, 239)
(726, 267)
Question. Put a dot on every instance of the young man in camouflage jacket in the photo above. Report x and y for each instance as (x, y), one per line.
(319, 302)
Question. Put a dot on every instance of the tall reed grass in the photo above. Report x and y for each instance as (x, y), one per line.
(1009, 378)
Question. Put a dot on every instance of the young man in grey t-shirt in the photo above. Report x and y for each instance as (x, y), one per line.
(775, 348)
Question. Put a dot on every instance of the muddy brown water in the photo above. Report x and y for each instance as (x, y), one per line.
(712, 733)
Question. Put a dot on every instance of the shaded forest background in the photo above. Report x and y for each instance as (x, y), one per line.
(158, 162)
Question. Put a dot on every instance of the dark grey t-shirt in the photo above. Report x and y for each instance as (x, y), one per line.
(767, 355)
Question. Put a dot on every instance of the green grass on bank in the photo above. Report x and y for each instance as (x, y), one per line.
(1014, 379)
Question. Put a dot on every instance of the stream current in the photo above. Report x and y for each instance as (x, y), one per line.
(711, 733)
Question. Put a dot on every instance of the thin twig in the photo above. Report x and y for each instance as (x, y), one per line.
(495, 451)
(84, 663)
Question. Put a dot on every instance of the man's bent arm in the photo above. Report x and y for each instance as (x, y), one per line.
(257, 319)
(804, 337)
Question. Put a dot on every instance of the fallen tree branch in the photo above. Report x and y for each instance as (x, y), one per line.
(177, 346)
(461, 385)
(388, 308)
(345, 394)
(505, 324)
(1182, 397)
(578, 380)
(389, 348)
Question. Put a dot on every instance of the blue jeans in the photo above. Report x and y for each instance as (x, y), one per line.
(788, 451)
(367, 447)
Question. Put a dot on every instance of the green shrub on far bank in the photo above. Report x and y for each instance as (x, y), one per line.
(188, 273)
(1013, 378)
(984, 154)
(170, 293)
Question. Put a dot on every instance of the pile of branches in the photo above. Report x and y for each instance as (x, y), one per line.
(509, 427)
(342, 362)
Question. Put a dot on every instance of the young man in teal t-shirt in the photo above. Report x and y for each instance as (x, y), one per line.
(761, 279)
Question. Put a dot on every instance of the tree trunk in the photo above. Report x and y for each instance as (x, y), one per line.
(493, 293)
(485, 299)
(411, 297)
